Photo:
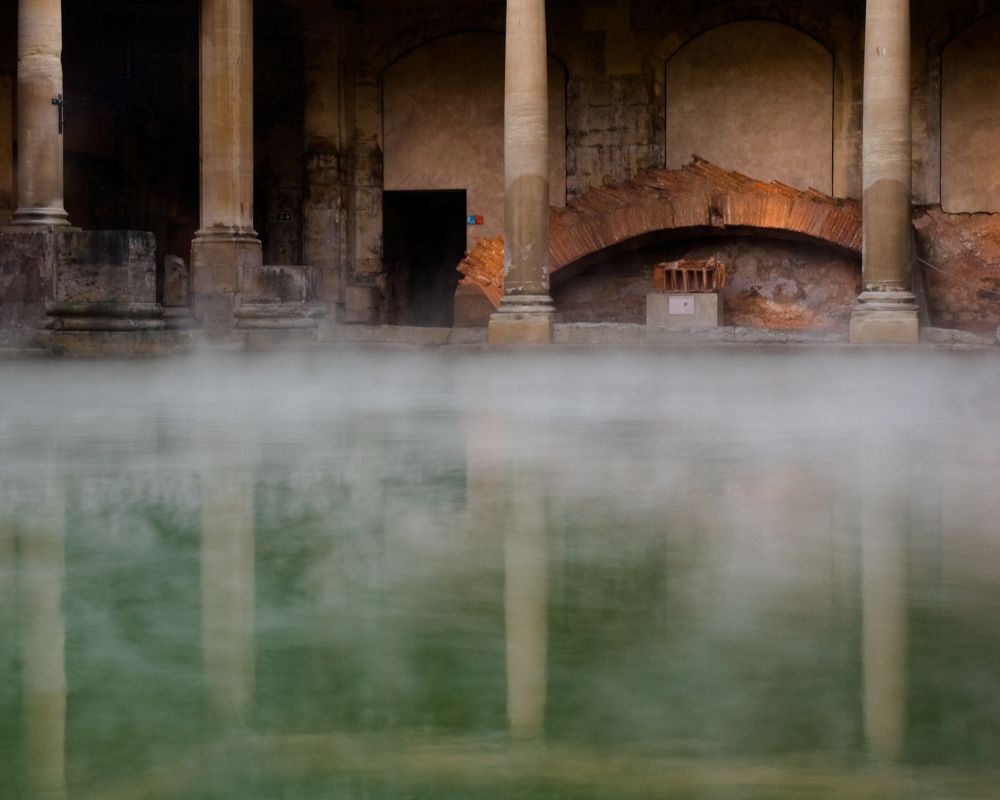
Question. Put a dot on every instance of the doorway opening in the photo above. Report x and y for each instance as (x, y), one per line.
(424, 239)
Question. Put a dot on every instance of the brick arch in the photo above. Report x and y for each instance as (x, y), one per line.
(697, 197)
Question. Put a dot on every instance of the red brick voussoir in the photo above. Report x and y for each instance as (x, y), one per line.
(699, 195)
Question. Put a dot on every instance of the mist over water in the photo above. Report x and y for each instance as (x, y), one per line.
(696, 574)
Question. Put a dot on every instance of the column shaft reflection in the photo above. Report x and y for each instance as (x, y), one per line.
(43, 646)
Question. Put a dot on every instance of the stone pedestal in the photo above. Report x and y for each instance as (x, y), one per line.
(104, 281)
(217, 262)
(277, 298)
(683, 312)
(361, 304)
(521, 321)
(885, 318)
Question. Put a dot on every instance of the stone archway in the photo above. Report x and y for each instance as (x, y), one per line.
(699, 197)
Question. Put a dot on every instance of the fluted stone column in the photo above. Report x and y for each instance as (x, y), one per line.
(226, 245)
(39, 141)
(525, 313)
(886, 310)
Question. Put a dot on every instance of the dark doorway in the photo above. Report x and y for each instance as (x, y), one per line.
(424, 239)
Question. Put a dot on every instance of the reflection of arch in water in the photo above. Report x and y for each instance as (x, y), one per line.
(754, 96)
(970, 119)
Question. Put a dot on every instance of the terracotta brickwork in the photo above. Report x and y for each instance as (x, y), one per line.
(698, 196)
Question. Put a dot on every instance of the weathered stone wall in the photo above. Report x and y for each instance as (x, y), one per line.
(970, 119)
(104, 267)
(26, 261)
(443, 107)
(755, 97)
(278, 136)
(963, 285)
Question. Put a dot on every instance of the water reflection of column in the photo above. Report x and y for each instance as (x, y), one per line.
(227, 592)
(43, 639)
(884, 608)
(526, 606)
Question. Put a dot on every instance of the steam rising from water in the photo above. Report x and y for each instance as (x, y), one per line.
(714, 558)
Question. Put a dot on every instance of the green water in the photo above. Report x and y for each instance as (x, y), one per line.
(712, 575)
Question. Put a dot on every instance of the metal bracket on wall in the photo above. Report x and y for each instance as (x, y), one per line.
(58, 100)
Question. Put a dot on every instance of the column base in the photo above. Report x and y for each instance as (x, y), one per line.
(521, 321)
(218, 260)
(41, 217)
(885, 318)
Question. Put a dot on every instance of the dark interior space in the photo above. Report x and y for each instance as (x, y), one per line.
(424, 237)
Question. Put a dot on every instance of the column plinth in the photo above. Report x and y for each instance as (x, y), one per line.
(885, 317)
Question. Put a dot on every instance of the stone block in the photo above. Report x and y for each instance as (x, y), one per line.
(218, 262)
(276, 284)
(176, 282)
(683, 312)
(667, 336)
(598, 333)
(118, 344)
(885, 326)
(361, 304)
(473, 308)
(519, 330)
(26, 262)
(105, 267)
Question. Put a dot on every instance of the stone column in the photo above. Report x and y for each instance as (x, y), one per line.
(525, 313)
(39, 141)
(886, 311)
(226, 245)
(329, 37)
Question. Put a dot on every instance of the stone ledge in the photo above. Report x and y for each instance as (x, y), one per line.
(331, 333)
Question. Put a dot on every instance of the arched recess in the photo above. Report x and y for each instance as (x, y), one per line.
(755, 97)
(970, 119)
(443, 106)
